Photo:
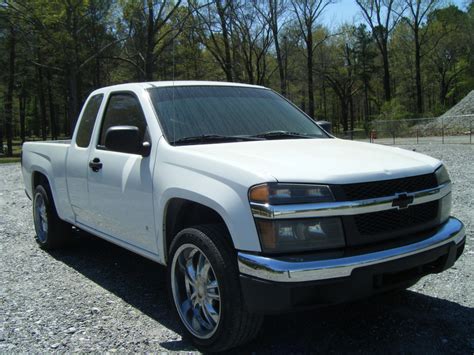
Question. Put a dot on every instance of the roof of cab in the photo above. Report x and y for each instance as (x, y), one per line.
(153, 84)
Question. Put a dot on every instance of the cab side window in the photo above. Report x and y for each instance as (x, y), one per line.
(123, 109)
(86, 126)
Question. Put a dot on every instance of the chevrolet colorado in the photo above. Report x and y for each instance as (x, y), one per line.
(252, 206)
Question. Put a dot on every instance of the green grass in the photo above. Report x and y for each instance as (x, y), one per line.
(7, 160)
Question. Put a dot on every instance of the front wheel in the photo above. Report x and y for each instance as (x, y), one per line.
(205, 289)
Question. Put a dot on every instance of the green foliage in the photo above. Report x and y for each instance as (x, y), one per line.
(393, 110)
(9, 160)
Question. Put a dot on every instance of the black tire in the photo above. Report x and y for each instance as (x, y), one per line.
(57, 232)
(236, 325)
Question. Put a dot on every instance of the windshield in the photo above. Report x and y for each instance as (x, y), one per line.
(198, 111)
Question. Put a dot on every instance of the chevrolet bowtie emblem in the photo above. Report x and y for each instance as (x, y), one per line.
(402, 201)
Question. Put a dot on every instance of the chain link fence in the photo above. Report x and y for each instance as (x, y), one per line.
(447, 129)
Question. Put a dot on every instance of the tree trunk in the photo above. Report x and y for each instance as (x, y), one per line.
(366, 101)
(249, 64)
(36, 128)
(150, 43)
(73, 98)
(22, 105)
(235, 44)
(66, 125)
(9, 93)
(97, 77)
(281, 70)
(303, 99)
(225, 35)
(386, 73)
(1, 137)
(419, 91)
(344, 115)
(351, 108)
(285, 60)
(52, 113)
(74, 82)
(309, 50)
(263, 70)
(274, 26)
(323, 91)
(443, 89)
(42, 102)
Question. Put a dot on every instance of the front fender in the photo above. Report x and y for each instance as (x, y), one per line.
(228, 199)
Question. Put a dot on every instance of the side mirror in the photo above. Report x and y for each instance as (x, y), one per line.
(126, 139)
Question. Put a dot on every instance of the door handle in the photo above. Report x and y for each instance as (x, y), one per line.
(95, 164)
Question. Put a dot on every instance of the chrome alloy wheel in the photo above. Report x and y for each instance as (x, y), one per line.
(40, 217)
(195, 291)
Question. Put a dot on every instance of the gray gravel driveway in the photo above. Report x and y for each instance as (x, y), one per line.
(95, 296)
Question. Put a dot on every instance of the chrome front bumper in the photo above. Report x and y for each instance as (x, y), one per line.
(278, 270)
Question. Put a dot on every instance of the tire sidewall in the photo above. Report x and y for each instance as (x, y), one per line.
(225, 275)
(44, 194)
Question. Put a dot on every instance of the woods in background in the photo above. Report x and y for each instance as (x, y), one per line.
(404, 58)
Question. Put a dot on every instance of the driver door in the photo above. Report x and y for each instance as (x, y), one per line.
(120, 191)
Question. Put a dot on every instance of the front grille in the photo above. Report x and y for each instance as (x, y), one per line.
(366, 190)
(393, 220)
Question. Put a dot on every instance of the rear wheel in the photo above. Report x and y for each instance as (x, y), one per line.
(205, 289)
(51, 231)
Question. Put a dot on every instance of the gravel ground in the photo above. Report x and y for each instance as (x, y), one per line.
(98, 297)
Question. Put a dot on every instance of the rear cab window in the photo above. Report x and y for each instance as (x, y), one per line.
(86, 125)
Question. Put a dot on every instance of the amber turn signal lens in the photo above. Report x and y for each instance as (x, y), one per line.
(259, 193)
(266, 231)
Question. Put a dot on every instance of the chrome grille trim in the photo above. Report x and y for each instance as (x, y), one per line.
(345, 208)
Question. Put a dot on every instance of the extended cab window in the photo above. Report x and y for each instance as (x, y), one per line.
(123, 109)
(84, 132)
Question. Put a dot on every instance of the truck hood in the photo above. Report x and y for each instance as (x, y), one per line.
(334, 161)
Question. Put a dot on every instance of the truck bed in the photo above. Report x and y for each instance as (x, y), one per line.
(49, 159)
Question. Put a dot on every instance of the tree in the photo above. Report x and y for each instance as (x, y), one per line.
(10, 86)
(450, 54)
(307, 13)
(340, 74)
(364, 57)
(417, 12)
(11, 50)
(215, 22)
(151, 32)
(381, 17)
(63, 26)
(272, 12)
(254, 37)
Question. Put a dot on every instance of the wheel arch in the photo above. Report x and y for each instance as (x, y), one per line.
(37, 178)
(181, 213)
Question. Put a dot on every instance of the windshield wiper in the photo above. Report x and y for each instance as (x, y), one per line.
(282, 134)
(212, 138)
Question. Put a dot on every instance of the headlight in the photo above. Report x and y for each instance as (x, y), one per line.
(281, 194)
(289, 235)
(300, 234)
(442, 175)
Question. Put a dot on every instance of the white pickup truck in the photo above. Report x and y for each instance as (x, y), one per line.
(253, 208)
